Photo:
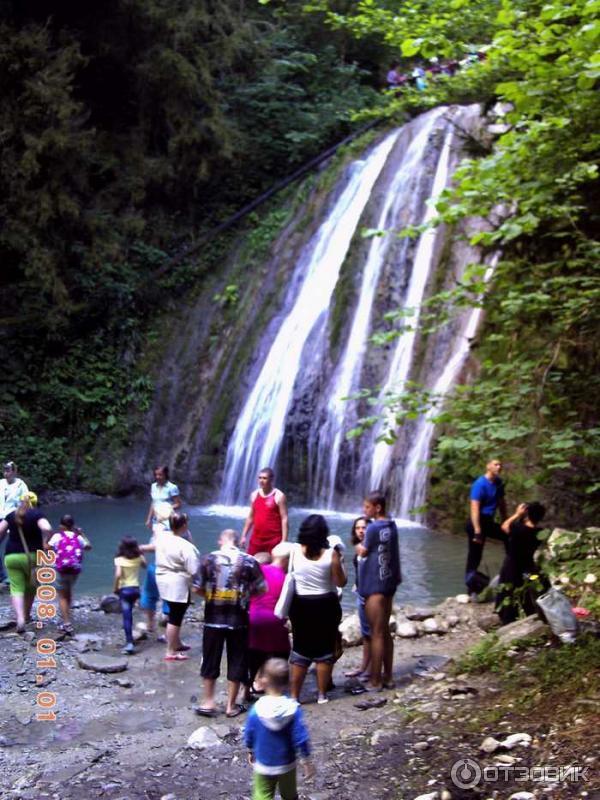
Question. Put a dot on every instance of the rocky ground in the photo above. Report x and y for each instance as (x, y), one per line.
(124, 735)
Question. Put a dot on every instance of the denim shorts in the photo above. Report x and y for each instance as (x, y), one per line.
(365, 628)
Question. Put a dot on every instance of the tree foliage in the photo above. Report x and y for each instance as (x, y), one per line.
(128, 127)
(534, 398)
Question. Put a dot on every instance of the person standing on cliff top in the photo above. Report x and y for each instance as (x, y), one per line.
(268, 516)
(487, 496)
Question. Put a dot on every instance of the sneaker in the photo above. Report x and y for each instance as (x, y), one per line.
(322, 699)
(129, 649)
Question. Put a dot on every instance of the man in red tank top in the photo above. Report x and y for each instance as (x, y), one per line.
(268, 516)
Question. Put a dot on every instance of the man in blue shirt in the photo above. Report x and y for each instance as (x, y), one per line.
(487, 496)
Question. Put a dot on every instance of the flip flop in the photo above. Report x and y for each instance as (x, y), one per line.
(206, 712)
(353, 673)
(236, 711)
(176, 657)
(364, 705)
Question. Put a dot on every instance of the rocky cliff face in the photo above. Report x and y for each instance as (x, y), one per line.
(212, 354)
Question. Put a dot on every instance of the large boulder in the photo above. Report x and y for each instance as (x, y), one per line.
(407, 630)
(203, 738)
(350, 630)
(100, 663)
(110, 604)
(419, 614)
(523, 629)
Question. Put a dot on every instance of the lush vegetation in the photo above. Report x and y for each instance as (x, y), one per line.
(534, 400)
(129, 128)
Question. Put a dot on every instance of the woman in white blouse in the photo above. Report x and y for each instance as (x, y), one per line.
(177, 561)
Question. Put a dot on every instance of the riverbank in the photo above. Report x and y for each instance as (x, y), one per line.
(123, 736)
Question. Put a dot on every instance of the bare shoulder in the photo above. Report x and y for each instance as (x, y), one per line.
(280, 497)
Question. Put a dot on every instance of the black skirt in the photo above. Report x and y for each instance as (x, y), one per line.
(315, 619)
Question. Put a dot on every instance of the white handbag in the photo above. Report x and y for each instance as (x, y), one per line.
(288, 590)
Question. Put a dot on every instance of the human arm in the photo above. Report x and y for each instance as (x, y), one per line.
(338, 571)
(84, 541)
(46, 530)
(3, 529)
(175, 499)
(117, 578)
(283, 512)
(249, 521)
(520, 512)
(149, 515)
(502, 509)
(476, 519)
(301, 742)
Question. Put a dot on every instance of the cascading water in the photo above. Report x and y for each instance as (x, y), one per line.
(259, 429)
(403, 355)
(346, 375)
(297, 396)
(414, 484)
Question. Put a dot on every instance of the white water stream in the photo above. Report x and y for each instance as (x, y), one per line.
(347, 374)
(260, 426)
(403, 355)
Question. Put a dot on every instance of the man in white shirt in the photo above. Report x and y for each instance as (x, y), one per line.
(12, 490)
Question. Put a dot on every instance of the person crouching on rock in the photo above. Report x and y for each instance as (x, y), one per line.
(128, 563)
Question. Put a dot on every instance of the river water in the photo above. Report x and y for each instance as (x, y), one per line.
(432, 563)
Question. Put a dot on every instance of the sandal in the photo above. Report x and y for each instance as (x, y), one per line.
(206, 712)
(236, 711)
(183, 647)
(353, 673)
(176, 657)
(364, 705)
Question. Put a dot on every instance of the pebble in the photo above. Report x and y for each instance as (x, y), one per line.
(428, 796)
(421, 746)
(522, 796)
(203, 738)
(503, 758)
(516, 739)
(489, 745)
(445, 795)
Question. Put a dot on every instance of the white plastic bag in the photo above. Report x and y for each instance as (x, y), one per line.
(556, 608)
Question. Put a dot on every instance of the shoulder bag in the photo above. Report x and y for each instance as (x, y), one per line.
(288, 590)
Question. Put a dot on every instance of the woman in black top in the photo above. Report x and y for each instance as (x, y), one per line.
(28, 531)
(522, 529)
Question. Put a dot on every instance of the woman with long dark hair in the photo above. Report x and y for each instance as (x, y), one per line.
(357, 536)
(315, 612)
(128, 562)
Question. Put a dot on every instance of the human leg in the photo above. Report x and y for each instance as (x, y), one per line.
(297, 678)
(176, 614)
(474, 552)
(237, 666)
(287, 785)
(150, 597)
(128, 596)
(324, 670)
(377, 608)
(213, 640)
(17, 568)
(3, 572)
(264, 787)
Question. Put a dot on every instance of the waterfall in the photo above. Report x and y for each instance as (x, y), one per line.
(396, 198)
(414, 484)
(403, 355)
(259, 429)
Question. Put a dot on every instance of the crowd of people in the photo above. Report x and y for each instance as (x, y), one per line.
(419, 75)
(274, 607)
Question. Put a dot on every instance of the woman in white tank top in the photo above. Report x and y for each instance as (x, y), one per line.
(315, 612)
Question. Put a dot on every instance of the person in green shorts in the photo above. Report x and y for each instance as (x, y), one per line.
(274, 733)
(28, 531)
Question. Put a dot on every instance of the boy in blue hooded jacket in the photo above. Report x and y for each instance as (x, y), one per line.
(274, 733)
